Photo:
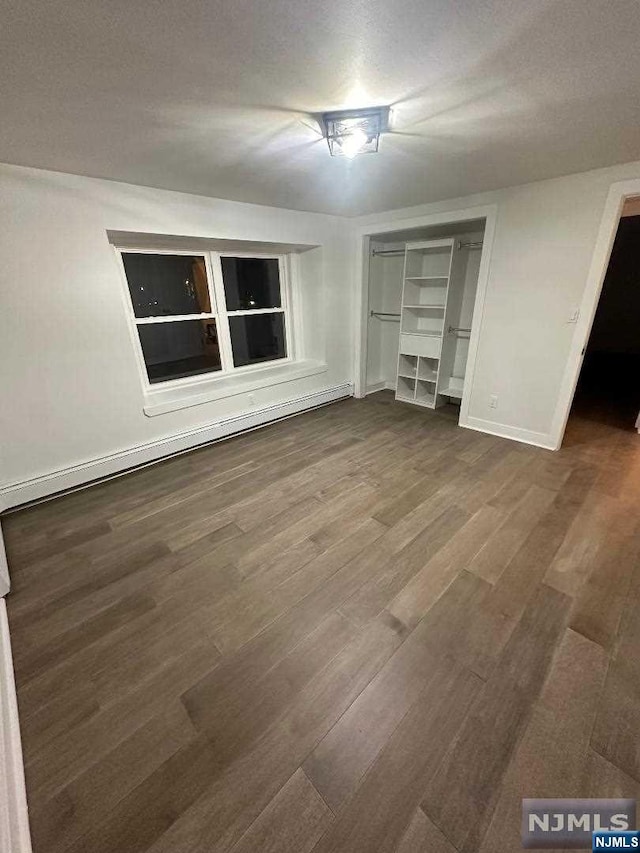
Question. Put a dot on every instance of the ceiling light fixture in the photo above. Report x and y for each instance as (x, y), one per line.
(352, 132)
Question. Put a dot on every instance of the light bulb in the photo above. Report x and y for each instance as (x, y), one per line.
(354, 143)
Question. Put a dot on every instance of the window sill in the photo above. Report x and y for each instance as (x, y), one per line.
(161, 401)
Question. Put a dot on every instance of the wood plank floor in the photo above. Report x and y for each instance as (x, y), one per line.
(360, 629)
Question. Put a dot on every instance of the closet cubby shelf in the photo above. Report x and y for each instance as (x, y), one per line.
(425, 392)
(406, 388)
(438, 288)
(423, 308)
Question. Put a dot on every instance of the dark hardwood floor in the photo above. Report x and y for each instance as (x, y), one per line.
(360, 629)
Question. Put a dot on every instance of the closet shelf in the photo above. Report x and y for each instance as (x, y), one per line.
(427, 278)
(424, 334)
(430, 306)
(452, 392)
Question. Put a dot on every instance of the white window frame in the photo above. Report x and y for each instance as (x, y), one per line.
(219, 313)
(284, 309)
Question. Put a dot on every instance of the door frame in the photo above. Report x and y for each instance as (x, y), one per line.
(488, 212)
(619, 192)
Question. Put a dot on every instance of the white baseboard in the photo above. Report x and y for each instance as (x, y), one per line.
(526, 436)
(14, 494)
(14, 817)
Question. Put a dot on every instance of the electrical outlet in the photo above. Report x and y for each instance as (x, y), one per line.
(251, 399)
(493, 401)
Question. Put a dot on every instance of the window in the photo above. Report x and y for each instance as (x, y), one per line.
(208, 313)
(254, 305)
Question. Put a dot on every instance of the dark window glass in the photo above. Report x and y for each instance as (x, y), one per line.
(251, 283)
(183, 348)
(164, 285)
(257, 337)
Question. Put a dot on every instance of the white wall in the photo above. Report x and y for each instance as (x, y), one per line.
(71, 391)
(544, 240)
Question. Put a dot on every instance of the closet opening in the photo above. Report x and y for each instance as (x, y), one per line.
(608, 390)
(422, 312)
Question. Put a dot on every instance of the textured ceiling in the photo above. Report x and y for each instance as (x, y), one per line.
(217, 97)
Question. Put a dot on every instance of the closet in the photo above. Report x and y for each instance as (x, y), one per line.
(422, 289)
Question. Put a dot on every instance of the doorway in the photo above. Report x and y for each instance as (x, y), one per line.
(608, 389)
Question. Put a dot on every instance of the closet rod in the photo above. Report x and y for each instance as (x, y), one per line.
(453, 329)
(382, 314)
(461, 245)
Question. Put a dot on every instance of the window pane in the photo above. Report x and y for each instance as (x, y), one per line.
(251, 283)
(162, 285)
(184, 348)
(257, 337)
